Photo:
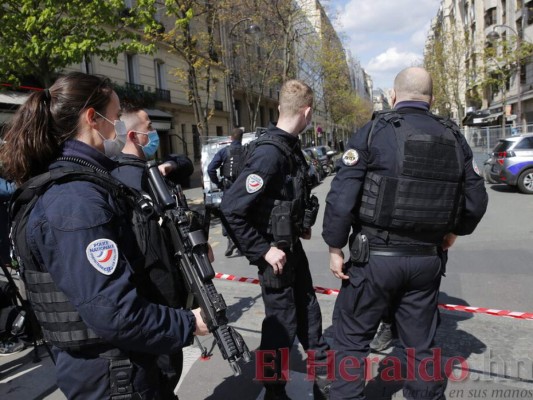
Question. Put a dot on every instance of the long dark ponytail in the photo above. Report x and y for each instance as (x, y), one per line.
(46, 120)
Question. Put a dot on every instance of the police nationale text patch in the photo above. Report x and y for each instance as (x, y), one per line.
(103, 255)
(253, 183)
(350, 157)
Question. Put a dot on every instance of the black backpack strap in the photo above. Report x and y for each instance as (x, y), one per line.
(387, 115)
(280, 144)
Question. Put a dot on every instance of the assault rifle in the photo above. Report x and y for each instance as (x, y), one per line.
(189, 246)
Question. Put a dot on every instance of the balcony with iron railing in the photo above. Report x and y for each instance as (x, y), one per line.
(135, 87)
(162, 94)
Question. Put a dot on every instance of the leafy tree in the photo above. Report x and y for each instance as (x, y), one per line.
(502, 60)
(445, 60)
(253, 58)
(194, 38)
(40, 37)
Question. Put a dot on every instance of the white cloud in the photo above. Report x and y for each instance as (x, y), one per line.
(385, 35)
(393, 17)
(384, 67)
(419, 37)
(393, 60)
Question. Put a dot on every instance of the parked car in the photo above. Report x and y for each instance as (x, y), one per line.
(313, 172)
(313, 154)
(511, 162)
(325, 156)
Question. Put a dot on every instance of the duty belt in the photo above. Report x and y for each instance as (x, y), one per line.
(403, 251)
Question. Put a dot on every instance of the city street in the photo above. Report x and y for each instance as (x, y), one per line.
(487, 357)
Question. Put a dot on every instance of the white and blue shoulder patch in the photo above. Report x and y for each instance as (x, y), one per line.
(103, 255)
(476, 169)
(253, 183)
(350, 157)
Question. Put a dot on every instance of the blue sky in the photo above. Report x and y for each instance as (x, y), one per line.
(384, 35)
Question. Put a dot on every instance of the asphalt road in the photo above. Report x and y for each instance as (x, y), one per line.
(491, 268)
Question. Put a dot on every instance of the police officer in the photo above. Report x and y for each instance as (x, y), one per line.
(264, 212)
(141, 143)
(228, 160)
(163, 283)
(81, 251)
(408, 185)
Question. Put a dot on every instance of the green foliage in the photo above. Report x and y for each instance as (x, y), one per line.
(193, 38)
(502, 59)
(41, 37)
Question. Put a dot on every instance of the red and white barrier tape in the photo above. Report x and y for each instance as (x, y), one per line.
(452, 307)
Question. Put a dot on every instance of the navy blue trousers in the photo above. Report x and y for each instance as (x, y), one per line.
(408, 287)
(292, 312)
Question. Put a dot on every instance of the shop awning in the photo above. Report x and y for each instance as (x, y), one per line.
(161, 120)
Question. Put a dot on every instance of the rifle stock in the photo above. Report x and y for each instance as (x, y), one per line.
(189, 245)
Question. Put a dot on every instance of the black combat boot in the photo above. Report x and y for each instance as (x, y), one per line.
(275, 392)
(231, 247)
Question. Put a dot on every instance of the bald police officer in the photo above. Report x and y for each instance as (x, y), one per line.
(407, 186)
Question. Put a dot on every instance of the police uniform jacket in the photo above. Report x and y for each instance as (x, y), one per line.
(247, 205)
(68, 221)
(218, 161)
(344, 199)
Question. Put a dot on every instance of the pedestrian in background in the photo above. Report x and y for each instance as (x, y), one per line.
(407, 186)
(81, 252)
(264, 210)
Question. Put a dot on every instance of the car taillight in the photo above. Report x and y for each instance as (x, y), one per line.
(504, 154)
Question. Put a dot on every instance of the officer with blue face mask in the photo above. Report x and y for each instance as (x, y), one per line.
(163, 283)
(139, 143)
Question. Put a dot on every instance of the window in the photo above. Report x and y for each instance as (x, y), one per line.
(490, 17)
(524, 144)
(504, 11)
(87, 65)
(529, 12)
(219, 105)
(160, 75)
(132, 68)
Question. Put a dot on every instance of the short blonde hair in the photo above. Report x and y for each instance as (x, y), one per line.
(294, 96)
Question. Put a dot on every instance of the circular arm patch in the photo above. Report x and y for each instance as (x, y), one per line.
(350, 157)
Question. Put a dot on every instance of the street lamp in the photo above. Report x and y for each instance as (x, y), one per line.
(251, 29)
(494, 36)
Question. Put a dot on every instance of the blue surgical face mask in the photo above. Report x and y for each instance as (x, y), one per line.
(150, 148)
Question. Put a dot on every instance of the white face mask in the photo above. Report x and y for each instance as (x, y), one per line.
(113, 147)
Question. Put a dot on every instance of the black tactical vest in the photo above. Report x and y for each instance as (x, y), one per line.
(60, 322)
(233, 164)
(296, 188)
(424, 192)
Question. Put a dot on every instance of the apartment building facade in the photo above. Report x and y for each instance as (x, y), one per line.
(494, 80)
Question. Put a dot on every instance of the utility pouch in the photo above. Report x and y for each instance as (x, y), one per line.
(270, 280)
(360, 251)
(311, 212)
(281, 224)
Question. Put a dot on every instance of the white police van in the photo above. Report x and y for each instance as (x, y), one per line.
(211, 145)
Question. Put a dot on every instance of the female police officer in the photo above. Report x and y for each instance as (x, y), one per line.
(105, 336)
